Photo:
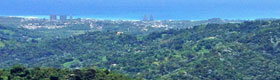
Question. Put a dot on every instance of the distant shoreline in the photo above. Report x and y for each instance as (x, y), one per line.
(116, 18)
(75, 17)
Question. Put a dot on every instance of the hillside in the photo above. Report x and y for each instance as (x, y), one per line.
(248, 50)
(23, 73)
(19, 34)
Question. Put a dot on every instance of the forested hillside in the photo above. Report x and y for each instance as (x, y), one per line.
(19, 34)
(248, 50)
(23, 73)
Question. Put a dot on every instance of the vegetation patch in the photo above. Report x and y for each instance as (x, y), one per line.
(2, 44)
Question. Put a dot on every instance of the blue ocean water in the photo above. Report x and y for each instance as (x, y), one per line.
(136, 9)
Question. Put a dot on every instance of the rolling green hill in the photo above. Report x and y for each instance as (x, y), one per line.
(248, 50)
(23, 73)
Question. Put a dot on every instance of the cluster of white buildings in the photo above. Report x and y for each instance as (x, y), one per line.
(35, 23)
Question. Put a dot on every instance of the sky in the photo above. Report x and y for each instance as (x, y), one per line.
(136, 9)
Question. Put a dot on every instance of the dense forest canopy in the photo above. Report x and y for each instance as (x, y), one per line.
(248, 50)
(23, 73)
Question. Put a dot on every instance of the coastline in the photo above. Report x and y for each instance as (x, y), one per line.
(74, 17)
(126, 18)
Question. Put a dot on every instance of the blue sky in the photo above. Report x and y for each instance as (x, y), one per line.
(161, 9)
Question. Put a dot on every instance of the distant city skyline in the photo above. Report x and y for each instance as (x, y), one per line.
(135, 9)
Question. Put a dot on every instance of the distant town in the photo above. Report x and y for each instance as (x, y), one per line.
(61, 21)
(65, 17)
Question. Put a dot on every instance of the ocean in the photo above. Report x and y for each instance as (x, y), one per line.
(136, 9)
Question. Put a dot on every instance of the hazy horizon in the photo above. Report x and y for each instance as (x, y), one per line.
(135, 9)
